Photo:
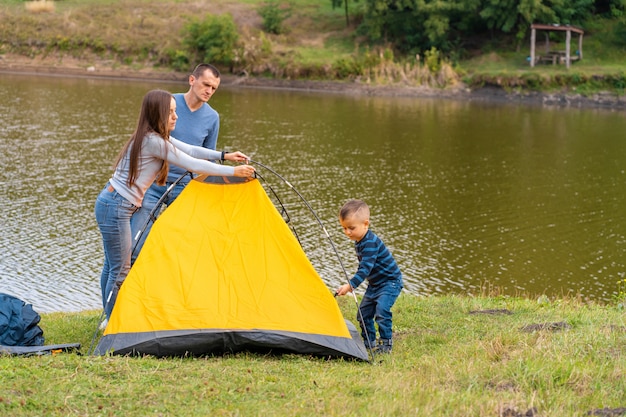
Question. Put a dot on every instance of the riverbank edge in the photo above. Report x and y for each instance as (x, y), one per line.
(489, 93)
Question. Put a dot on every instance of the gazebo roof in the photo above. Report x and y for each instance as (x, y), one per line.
(557, 27)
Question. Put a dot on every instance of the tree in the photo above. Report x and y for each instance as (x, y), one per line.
(417, 25)
(344, 3)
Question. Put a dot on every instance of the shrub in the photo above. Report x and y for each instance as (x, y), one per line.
(432, 58)
(175, 58)
(273, 15)
(347, 68)
(213, 39)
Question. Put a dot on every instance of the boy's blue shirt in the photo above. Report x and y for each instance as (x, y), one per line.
(376, 264)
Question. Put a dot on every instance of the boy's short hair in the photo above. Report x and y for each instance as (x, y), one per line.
(353, 207)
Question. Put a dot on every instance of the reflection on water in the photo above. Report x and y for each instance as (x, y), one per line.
(465, 194)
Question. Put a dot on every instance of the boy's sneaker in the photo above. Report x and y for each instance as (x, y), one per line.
(384, 346)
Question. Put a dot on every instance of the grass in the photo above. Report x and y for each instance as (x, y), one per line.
(453, 356)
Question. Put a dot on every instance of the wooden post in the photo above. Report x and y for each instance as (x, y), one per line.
(533, 33)
(580, 46)
(568, 38)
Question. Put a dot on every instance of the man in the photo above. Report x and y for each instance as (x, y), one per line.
(198, 124)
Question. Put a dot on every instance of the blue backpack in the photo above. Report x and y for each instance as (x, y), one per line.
(19, 323)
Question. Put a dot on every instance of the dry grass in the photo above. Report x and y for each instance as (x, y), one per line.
(145, 34)
(40, 6)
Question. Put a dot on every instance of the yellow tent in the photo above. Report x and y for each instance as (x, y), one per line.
(221, 272)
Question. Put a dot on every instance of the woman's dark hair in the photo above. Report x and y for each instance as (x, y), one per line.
(153, 118)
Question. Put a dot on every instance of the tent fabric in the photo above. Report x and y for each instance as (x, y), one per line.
(221, 272)
(19, 323)
(39, 350)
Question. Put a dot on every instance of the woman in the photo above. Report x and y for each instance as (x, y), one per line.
(144, 159)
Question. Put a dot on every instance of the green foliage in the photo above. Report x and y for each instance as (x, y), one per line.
(432, 59)
(274, 15)
(343, 3)
(213, 39)
(500, 15)
(619, 33)
(176, 59)
(609, 8)
(347, 68)
(417, 25)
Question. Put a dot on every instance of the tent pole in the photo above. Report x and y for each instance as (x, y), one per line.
(151, 217)
(359, 315)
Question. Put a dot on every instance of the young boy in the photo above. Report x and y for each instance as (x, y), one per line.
(379, 268)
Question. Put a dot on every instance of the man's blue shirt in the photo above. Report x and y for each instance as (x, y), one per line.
(199, 128)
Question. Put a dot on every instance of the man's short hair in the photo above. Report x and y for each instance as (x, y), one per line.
(202, 68)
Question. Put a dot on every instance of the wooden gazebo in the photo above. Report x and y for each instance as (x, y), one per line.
(556, 57)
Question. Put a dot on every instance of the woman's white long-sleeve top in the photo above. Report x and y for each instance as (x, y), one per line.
(153, 152)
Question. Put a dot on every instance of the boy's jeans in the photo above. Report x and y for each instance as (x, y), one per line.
(376, 304)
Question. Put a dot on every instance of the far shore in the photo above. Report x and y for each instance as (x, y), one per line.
(607, 100)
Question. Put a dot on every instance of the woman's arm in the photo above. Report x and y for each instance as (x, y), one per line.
(204, 153)
(196, 151)
(165, 150)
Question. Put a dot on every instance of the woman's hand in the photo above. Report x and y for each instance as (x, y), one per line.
(236, 157)
(244, 171)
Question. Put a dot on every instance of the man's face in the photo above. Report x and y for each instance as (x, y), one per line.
(204, 86)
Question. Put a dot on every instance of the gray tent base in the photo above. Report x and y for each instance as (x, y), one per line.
(199, 342)
(38, 350)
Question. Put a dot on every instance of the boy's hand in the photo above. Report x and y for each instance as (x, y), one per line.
(344, 289)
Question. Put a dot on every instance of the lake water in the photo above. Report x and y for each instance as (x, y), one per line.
(466, 195)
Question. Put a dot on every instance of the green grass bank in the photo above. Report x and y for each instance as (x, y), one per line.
(143, 36)
(453, 356)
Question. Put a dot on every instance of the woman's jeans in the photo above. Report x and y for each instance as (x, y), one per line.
(113, 214)
(376, 304)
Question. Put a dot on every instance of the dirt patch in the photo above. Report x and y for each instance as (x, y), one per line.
(492, 311)
(608, 412)
(513, 412)
(561, 325)
(91, 67)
